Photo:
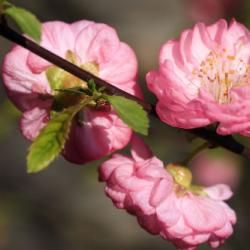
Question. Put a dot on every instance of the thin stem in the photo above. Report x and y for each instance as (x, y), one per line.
(190, 157)
(226, 142)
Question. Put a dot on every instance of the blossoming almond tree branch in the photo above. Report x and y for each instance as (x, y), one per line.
(69, 111)
(212, 137)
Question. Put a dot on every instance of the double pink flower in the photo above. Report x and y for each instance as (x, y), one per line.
(30, 80)
(165, 202)
(204, 77)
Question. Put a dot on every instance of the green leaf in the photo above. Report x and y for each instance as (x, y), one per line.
(92, 86)
(130, 112)
(26, 21)
(51, 139)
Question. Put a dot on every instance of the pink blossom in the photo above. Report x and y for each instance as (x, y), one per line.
(96, 48)
(211, 169)
(203, 78)
(165, 202)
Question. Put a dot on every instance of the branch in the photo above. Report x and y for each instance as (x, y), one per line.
(226, 142)
(15, 37)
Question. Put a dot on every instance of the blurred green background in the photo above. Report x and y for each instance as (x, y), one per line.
(64, 207)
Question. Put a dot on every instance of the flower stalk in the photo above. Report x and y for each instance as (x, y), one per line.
(196, 151)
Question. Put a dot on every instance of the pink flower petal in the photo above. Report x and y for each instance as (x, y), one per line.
(100, 134)
(96, 43)
(180, 229)
(140, 200)
(139, 150)
(219, 192)
(124, 178)
(58, 38)
(33, 121)
(18, 77)
(149, 223)
(116, 196)
(218, 30)
(78, 26)
(196, 239)
(168, 213)
(109, 166)
(120, 68)
(161, 190)
(205, 218)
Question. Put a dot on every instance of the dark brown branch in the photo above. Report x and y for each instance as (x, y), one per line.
(15, 37)
(226, 142)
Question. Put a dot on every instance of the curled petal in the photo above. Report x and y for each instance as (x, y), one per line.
(78, 26)
(97, 43)
(18, 77)
(109, 166)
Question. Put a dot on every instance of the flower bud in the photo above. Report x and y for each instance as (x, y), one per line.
(182, 175)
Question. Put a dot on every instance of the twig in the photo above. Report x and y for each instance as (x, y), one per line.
(190, 157)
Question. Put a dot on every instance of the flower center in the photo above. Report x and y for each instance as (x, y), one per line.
(220, 72)
(61, 79)
(181, 175)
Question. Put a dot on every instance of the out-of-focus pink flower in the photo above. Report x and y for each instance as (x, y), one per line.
(211, 170)
(204, 78)
(165, 202)
(210, 10)
(95, 48)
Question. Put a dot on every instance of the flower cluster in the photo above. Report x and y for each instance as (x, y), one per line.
(204, 77)
(165, 202)
(32, 84)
